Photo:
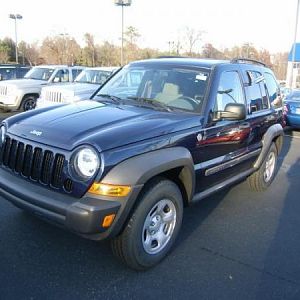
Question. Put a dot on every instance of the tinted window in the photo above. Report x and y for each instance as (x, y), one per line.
(257, 92)
(273, 90)
(229, 90)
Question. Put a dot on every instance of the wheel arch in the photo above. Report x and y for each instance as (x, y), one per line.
(274, 134)
(36, 95)
(174, 163)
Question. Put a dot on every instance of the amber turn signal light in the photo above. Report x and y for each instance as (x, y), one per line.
(112, 190)
(108, 220)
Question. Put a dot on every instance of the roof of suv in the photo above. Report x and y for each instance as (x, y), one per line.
(197, 62)
(58, 66)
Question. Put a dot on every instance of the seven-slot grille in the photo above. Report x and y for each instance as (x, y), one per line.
(33, 162)
(53, 96)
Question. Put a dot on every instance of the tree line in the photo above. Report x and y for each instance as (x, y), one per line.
(64, 49)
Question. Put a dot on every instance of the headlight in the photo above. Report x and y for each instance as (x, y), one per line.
(86, 162)
(2, 135)
(68, 96)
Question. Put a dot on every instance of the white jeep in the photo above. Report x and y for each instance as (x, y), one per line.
(83, 87)
(21, 94)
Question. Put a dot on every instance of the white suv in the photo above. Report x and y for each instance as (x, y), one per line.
(23, 93)
(87, 82)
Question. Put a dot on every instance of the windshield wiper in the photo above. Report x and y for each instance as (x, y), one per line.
(152, 102)
(111, 98)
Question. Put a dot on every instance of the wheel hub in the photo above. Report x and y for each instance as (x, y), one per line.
(159, 226)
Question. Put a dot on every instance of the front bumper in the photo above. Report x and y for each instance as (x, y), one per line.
(10, 102)
(83, 216)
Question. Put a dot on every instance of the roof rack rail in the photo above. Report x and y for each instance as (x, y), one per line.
(171, 56)
(241, 59)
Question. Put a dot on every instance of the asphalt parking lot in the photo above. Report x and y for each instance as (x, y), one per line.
(237, 244)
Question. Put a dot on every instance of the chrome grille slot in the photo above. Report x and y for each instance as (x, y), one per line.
(54, 96)
(3, 90)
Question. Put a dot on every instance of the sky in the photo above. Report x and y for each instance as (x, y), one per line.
(268, 24)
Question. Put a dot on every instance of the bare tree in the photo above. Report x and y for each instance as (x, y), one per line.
(192, 36)
(90, 49)
(30, 53)
(4, 52)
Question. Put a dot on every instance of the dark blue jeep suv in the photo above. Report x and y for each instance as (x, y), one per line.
(160, 135)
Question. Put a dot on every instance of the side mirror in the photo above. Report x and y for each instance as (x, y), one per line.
(1, 77)
(232, 112)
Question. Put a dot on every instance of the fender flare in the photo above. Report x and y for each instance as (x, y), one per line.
(136, 171)
(273, 132)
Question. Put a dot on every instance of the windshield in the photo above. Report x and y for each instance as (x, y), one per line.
(173, 87)
(93, 76)
(294, 96)
(39, 73)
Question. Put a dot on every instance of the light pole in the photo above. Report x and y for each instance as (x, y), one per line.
(122, 3)
(16, 17)
(291, 79)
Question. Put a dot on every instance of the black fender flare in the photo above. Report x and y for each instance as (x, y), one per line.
(136, 171)
(273, 132)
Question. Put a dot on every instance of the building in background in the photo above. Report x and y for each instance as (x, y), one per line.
(293, 68)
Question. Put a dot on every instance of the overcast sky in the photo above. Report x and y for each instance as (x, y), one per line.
(264, 23)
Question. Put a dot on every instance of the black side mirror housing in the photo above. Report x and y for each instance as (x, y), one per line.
(232, 112)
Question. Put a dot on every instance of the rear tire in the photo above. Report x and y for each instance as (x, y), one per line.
(153, 226)
(263, 177)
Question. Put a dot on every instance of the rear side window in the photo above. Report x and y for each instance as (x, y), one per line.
(257, 92)
(229, 90)
(273, 90)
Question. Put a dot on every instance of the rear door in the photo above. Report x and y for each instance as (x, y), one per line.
(225, 148)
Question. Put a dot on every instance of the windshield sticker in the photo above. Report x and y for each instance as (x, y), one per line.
(201, 76)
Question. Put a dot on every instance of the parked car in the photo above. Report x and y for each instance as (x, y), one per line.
(22, 93)
(10, 71)
(285, 91)
(292, 108)
(83, 87)
(160, 135)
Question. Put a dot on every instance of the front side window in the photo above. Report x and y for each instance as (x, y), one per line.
(61, 76)
(229, 90)
(39, 73)
(75, 73)
(176, 88)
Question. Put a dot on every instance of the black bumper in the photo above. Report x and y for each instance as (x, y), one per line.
(80, 215)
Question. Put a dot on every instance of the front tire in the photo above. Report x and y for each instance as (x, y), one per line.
(153, 226)
(28, 103)
(263, 177)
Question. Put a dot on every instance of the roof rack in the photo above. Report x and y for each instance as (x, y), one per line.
(241, 60)
(171, 56)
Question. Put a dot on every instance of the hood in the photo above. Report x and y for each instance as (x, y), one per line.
(23, 83)
(104, 126)
(77, 88)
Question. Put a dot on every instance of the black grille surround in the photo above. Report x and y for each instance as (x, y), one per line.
(36, 163)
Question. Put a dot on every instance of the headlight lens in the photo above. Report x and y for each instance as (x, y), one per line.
(2, 135)
(86, 162)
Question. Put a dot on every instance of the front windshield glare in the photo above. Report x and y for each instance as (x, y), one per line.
(178, 88)
(39, 73)
(93, 76)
